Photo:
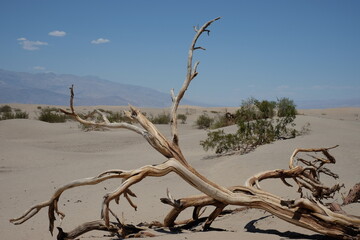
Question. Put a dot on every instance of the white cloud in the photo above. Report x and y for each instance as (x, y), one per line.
(57, 33)
(30, 45)
(39, 68)
(100, 41)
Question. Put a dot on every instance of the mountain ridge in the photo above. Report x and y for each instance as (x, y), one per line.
(53, 89)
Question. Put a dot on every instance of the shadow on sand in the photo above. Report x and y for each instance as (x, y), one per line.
(250, 227)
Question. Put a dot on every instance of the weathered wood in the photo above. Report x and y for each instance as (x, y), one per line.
(84, 228)
(303, 212)
(353, 195)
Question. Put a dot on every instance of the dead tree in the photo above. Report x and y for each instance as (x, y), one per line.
(307, 212)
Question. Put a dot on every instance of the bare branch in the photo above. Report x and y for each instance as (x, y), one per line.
(155, 138)
(53, 202)
(106, 123)
(191, 74)
(323, 150)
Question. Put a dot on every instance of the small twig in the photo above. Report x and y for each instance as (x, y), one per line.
(196, 48)
(116, 217)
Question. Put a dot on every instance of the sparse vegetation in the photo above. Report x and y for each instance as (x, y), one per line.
(116, 116)
(266, 108)
(51, 115)
(5, 109)
(94, 116)
(7, 112)
(204, 121)
(220, 121)
(162, 118)
(257, 125)
(182, 117)
(286, 107)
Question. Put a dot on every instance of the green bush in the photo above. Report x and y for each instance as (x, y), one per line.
(257, 125)
(247, 111)
(5, 109)
(116, 117)
(204, 121)
(182, 117)
(162, 118)
(52, 115)
(266, 108)
(6, 112)
(21, 114)
(219, 121)
(7, 115)
(221, 142)
(286, 107)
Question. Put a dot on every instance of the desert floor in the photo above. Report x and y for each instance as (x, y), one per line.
(37, 157)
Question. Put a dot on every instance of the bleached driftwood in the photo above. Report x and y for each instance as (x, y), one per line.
(309, 213)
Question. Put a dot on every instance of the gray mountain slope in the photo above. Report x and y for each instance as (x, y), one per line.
(53, 89)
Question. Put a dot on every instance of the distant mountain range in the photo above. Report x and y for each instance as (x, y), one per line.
(53, 89)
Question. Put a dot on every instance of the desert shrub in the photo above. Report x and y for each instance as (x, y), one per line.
(97, 117)
(286, 107)
(220, 141)
(182, 117)
(21, 114)
(266, 108)
(257, 125)
(204, 121)
(116, 117)
(51, 115)
(6, 112)
(162, 118)
(247, 111)
(5, 109)
(7, 115)
(220, 121)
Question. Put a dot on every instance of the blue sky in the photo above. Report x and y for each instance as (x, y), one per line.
(304, 50)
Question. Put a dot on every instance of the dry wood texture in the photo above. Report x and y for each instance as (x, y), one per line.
(308, 212)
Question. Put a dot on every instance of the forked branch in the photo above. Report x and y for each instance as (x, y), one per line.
(191, 73)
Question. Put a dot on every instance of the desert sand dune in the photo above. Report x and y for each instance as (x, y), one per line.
(37, 157)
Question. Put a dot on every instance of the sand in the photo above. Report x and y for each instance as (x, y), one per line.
(37, 157)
